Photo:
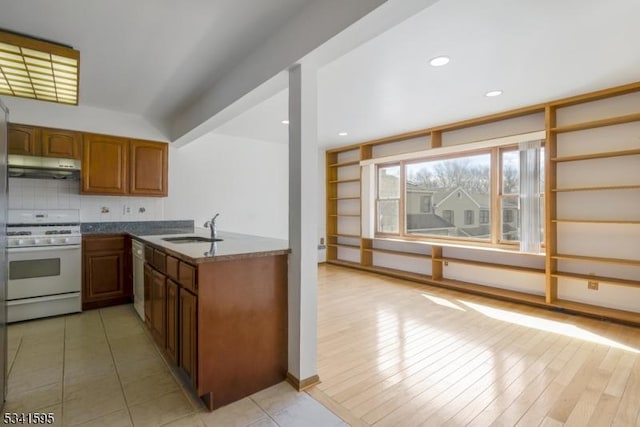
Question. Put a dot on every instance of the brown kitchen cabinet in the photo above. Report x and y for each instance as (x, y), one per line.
(105, 168)
(149, 168)
(173, 292)
(23, 140)
(105, 271)
(188, 335)
(159, 308)
(36, 141)
(61, 143)
(242, 303)
(120, 166)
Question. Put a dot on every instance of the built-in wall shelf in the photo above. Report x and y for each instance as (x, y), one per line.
(341, 164)
(596, 221)
(582, 258)
(592, 156)
(591, 277)
(598, 123)
(395, 252)
(597, 132)
(598, 188)
(490, 265)
(341, 181)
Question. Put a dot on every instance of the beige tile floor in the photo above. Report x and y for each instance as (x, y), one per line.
(100, 368)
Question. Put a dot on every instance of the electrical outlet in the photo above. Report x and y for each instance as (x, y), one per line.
(592, 284)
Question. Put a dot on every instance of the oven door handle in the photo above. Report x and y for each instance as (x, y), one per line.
(43, 248)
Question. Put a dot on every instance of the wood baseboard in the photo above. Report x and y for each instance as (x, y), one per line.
(304, 384)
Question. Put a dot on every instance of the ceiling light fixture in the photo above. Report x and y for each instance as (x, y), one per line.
(37, 69)
(492, 93)
(343, 134)
(285, 122)
(439, 61)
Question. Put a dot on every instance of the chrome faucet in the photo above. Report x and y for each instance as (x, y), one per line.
(212, 226)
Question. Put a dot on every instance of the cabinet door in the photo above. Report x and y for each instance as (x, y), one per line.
(158, 308)
(105, 280)
(172, 321)
(104, 164)
(148, 279)
(149, 166)
(61, 143)
(24, 140)
(188, 334)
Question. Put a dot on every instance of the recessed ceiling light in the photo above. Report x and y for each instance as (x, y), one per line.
(285, 122)
(439, 61)
(343, 134)
(493, 93)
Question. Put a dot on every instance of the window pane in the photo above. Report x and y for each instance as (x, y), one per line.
(389, 182)
(510, 219)
(388, 216)
(511, 172)
(447, 197)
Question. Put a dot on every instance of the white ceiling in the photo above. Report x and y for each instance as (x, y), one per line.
(150, 57)
(533, 50)
(155, 58)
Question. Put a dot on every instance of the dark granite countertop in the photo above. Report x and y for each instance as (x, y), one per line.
(139, 228)
(233, 246)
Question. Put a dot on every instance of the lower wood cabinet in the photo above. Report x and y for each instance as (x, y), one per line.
(106, 278)
(188, 334)
(223, 324)
(173, 292)
(158, 307)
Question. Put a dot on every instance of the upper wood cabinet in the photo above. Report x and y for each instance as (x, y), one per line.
(24, 140)
(105, 168)
(149, 165)
(61, 143)
(119, 166)
(35, 141)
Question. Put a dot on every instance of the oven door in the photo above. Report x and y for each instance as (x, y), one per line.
(44, 271)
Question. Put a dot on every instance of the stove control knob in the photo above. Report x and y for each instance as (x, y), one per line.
(65, 240)
(50, 240)
(36, 241)
(20, 241)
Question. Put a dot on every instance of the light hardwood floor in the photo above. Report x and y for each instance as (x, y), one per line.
(397, 353)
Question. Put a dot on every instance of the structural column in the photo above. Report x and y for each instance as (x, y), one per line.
(303, 218)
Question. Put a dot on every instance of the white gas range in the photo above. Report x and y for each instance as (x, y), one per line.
(45, 263)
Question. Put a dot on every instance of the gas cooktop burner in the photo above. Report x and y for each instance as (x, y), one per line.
(18, 233)
(57, 232)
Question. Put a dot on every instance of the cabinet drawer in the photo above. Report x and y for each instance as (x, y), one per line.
(172, 267)
(148, 254)
(159, 260)
(103, 243)
(187, 276)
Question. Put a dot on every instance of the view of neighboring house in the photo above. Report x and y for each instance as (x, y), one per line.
(456, 212)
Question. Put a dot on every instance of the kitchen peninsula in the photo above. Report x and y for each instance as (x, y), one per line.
(218, 311)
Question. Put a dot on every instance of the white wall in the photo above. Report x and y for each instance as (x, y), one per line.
(81, 118)
(25, 193)
(245, 180)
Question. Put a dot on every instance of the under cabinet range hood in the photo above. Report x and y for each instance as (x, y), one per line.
(43, 167)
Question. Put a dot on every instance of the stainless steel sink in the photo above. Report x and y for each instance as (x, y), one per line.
(190, 239)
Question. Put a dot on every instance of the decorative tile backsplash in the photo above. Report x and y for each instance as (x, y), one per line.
(25, 193)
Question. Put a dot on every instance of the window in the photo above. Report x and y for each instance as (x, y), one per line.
(457, 187)
(388, 200)
(450, 194)
(513, 179)
(448, 216)
(425, 204)
(484, 216)
(468, 217)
